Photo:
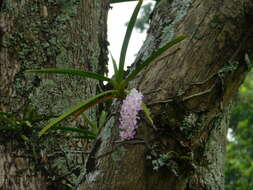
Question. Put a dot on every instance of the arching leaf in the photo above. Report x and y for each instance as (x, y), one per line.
(154, 56)
(70, 72)
(129, 30)
(78, 109)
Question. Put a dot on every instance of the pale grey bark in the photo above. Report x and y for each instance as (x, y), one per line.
(47, 34)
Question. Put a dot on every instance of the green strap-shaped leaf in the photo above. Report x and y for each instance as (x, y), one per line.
(24, 137)
(102, 119)
(70, 72)
(154, 56)
(127, 38)
(147, 113)
(114, 68)
(91, 124)
(80, 107)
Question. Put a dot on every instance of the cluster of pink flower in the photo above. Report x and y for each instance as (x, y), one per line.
(129, 110)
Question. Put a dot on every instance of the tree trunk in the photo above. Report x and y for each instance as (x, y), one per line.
(189, 91)
(47, 34)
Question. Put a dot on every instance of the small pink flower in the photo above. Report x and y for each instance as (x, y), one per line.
(129, 110)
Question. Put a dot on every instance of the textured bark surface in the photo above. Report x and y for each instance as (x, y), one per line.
(189, 90)
(47, 34)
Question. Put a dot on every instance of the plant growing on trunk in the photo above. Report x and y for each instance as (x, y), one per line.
(118, 81)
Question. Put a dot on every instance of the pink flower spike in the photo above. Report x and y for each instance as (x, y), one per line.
(128, 114)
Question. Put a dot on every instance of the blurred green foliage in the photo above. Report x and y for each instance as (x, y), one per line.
(143, 21)
(239, 161)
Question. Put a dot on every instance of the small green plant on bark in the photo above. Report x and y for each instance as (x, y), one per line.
(15, 125)
(118, 81)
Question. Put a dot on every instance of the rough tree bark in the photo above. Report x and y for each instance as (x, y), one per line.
(47, 34)
(189, 90)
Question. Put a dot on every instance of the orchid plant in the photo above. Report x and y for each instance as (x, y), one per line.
(118, 81)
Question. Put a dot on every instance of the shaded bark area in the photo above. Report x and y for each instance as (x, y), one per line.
(17, 169)
(189, 91)
(47, 34)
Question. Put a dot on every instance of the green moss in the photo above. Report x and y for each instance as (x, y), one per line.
(198, 36)
(216, 23)
(38, 41)
(228, 69)
(181, 9)
(118, 154)
(177, 163)
(192, 125)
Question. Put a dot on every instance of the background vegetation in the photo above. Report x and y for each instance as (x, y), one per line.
(239, 162)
